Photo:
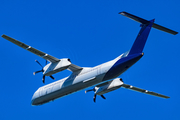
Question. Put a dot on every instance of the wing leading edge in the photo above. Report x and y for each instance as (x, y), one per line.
(39, 53)
(109, 86)
(31, 49)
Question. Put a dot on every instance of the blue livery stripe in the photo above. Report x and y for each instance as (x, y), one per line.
(122, 65)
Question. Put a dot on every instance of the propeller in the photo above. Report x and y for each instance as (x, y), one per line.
(38, 70)
(42, 70)
(94, 98)
(89, 90)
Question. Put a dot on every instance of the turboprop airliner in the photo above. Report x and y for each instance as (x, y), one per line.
(103, 77)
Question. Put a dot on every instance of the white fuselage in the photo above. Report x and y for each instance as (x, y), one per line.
(84, 78)
(76, 81)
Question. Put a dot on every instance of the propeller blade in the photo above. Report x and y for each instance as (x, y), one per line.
(94, 98)
(39, 63)
(52, 77)
(43, 79)
(37, 72)
(103, 96)
(89, 90)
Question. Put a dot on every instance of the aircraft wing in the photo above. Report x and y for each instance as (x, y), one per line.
(143, 91)
(31, 49)
(103, 84)
(74, 68)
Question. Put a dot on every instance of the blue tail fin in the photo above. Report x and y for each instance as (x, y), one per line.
(141, 39)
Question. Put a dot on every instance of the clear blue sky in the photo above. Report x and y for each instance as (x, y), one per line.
(89, 33)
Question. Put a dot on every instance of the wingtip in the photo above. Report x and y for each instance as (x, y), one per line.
(121, 12)
(3, 35)
(167, 97)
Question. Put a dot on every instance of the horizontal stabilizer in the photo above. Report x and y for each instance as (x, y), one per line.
(144, 91)
(143, 21)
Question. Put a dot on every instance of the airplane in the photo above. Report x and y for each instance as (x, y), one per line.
(103, 77)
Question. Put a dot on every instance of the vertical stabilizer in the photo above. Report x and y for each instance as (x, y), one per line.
(141, 39)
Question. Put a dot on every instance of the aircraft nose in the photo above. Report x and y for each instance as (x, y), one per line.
(34, 98)
(33, 102)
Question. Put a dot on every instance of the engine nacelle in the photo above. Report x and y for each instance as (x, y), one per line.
(55, 67)
(110, 86)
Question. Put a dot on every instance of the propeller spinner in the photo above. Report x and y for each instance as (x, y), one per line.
(42, 70)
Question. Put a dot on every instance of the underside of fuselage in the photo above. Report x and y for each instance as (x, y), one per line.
(64, 91)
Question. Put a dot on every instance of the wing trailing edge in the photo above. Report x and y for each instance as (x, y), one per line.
(143, 91)
(74, 68)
